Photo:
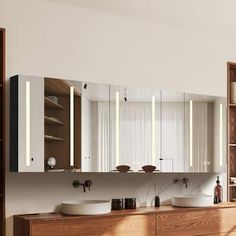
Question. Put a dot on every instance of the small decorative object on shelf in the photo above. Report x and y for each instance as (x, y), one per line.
(51, 162)
(149, 168)
(232, 180)
(53, 98)
(123, 168)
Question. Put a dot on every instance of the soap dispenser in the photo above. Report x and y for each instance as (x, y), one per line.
(218, 192)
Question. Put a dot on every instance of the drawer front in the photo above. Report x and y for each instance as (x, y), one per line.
(201, 222)
(139, 225)
(224, 234)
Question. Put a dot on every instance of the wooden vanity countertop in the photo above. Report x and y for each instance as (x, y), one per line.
(139, 211)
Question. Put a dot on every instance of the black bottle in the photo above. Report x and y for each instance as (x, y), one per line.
(157, 201)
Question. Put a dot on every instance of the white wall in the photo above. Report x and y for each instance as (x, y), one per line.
(46, 38)
(34, 193)
(65, 41)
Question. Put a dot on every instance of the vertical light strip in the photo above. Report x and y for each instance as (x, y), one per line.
(117, 128)
(27, 124)
(153, 131)
(191, 133)
(71, 126)
(221, 135)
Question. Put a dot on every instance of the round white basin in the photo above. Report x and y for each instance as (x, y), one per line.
(86, 207)
(192, 200)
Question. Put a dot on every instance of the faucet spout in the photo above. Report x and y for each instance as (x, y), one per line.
(84, 187)
(185, 181)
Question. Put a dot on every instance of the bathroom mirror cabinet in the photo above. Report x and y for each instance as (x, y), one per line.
(61, 125)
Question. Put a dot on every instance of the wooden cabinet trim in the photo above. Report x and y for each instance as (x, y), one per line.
(2, 129)
(138, 211)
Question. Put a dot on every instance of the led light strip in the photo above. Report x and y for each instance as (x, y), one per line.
(221, 135)
(117, 128)
(190, 133)
(153, 130)
(71, 126)
(27, 122)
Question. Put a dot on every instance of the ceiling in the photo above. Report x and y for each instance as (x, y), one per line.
(210, 16)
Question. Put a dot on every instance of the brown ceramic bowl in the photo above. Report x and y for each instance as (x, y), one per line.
(123, 168)
(149, 168)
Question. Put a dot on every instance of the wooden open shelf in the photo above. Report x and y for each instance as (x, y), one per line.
(58, 145)
(232, 105)
(231, 110)
(58, 87)
(53, 139)
(51, 104)
(51, 121)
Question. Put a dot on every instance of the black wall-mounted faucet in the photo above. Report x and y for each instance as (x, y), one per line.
(86, 184)
(184, 180)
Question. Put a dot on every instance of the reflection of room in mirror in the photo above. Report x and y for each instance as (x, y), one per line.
(95, 128)
(138, 127)
(205, 133)
(62, 123)
(92, 127)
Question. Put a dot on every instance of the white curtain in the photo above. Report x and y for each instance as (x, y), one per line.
(103, 137)
(201, 151)
(136, 136)
(172, 137)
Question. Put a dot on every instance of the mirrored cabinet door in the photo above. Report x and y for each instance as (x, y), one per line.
(173, 146)
(95, 132)
(134, 126)
(27, 124)
(61, 125)
(205, 118)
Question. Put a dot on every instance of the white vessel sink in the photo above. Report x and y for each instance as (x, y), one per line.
(86, 207)
(192, 200)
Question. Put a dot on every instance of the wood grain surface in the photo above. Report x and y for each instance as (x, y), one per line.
(139, 225)
(204, 222)
(164, 221)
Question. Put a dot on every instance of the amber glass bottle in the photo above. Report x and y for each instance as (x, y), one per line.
(218, 193)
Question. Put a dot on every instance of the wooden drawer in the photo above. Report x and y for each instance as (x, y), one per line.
(139, 225)
(224, 234)
(199, 222)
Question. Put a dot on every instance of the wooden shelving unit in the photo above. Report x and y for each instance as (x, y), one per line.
(53, 139)
(57, 123)
(58, 87)
(231, 112)
(52, 121)
(49, 104)
(2, 132)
